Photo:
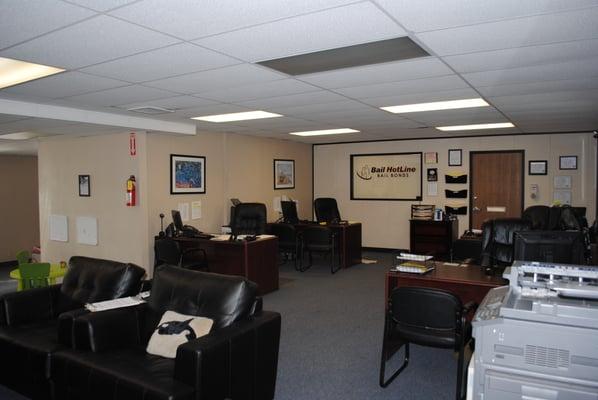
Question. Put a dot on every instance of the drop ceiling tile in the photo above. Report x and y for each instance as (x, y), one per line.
(537, 30)
(222, 78)
(103, 5)
(212, 109)
(178, 59)
(434, 84)
(65, 84)
(172, 103)
(413, 98)
(26, 19)
(563, 106)
(550, 72)
(258, 91)
(275, 103)
(538, 87)
(119, 96)
(543, 98)
(282, 124)
(523, 56)
(425, 15)
(191, 19)
(310, 109)
(96, 40)
(457, 117)
(380, 73)
(329, 29)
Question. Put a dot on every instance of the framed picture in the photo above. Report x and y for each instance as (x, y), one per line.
(454, 157)
(84, 186)
(187, 174)
(537, 167)
(432, 174)
(430, 158)
(284, 174)
(568, 162)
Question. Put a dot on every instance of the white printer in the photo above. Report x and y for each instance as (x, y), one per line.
(537, 339)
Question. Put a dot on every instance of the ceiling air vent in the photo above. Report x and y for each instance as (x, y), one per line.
(151, 110)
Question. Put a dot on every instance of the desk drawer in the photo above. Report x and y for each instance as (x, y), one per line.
(429, 229)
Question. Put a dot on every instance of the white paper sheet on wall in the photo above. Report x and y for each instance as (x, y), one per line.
(432, 188)
(59, 228)
(562, 196)
(562, 182)
(87, 230)
(276, 204)
(196, 209)
(184, 210)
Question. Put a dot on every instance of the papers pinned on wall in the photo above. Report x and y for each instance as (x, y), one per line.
(276, 204)
(59, 228)
(184, 210)
(87, 230)
(196, 209)
(432, 188)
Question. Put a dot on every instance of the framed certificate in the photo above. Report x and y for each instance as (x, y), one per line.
(454, 157)
(537, 167)
(568, 162)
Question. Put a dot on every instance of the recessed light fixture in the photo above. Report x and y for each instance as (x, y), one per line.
(20, 136)
(152, 110)
(13, 72)
(476, 127)
(240, 116)
(436, 105)
(324, 132)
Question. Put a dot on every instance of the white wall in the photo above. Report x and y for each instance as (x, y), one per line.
(386, 223)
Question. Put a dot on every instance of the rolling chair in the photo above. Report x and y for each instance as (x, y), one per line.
(320, 239)
(169, 251)
(289, 212)
(498, 241)
(249, 219)
(289, 242)
(426, 317)
(326, 210)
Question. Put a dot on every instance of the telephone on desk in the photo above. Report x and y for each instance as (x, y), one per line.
(191, 231)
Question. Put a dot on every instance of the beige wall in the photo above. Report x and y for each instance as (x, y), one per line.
(385, 223)
(122, 230)
(19, 205)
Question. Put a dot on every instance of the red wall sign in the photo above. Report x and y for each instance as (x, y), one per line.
(132, 144)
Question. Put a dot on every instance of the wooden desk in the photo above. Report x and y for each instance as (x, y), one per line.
(255, 260)
(468, 283)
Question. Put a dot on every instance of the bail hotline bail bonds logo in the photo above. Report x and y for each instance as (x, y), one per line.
(391, 171)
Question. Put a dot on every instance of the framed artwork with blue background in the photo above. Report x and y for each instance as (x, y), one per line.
(187, 174)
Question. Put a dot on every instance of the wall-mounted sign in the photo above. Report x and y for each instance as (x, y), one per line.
(391, 176)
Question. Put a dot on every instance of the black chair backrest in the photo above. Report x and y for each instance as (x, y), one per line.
(249, 218)
(89, 280)
(289, 212)
(326, 210)
(425, 308)
(286, 234)
(498, 239)
(223, 298)
(537, 216)
(317, 237)
(167, 251)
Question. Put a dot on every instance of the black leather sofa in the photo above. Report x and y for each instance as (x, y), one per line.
(498, 241)
(35, 323)
(555, 218)
(236, 360)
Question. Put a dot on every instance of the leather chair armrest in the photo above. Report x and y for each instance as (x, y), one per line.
(29, 305)
(106, 330)
(239, 361)
(66, 322)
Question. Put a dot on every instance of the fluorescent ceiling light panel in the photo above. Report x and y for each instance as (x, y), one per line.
(13, 72)
(20, 136)
(240, 116)
(436, 105)
(324, 132)
(475, 127)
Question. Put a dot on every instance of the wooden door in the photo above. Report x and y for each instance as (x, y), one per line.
(496, 185)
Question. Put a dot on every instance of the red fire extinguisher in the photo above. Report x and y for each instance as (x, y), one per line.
(131, 191)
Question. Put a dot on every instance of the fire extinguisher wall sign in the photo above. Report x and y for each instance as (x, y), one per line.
(131, 191)
(132, 144)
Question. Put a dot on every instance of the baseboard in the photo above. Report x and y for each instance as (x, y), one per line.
(8, 264)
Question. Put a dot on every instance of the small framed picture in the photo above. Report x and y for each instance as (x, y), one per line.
(430, 158)
(84, 186)
(568, 162)
(432, 174)
(454, 157)
(284, 174)
(537, 167)
(187, 174)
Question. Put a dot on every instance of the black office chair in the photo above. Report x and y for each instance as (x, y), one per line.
(498, 241)
(169, 251)
(326, 210)
(289, 212)
(320, 239)
(249, 219)
(427, 317)
(289, 242)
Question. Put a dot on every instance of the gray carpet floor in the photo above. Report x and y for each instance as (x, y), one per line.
(332, 336)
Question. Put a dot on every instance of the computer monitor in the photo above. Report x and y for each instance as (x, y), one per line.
(289, 212)
(235, 202)
(565, 247)
(177, 220)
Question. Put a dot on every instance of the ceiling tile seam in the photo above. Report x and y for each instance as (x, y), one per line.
(115, 105)
(97, 14)
(529, 66)
(315, 89)
(535, 80)
(101, 12)
(569, 10)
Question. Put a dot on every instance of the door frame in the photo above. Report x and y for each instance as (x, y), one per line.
(471, 173)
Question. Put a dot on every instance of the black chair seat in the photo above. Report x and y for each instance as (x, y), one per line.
(39, 336)
(444, 338)
(126, 374)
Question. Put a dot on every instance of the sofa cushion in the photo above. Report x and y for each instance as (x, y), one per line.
(175, 329)
(223, 298)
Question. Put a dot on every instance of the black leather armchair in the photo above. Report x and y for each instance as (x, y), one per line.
(498, 242)
(326, 209)
(35, 323)
(555, 218)
(236, 360)
(249, 219)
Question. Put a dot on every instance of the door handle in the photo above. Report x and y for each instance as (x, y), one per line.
(476, 209)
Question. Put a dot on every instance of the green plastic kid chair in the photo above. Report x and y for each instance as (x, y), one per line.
(34, 275)
(23, 257)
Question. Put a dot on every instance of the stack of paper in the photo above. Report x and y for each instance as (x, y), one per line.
(116, 303)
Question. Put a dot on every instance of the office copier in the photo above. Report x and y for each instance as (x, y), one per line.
(537, 339)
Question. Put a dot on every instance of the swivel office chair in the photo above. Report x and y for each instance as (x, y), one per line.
(249, 219)
(169, 251)
(326, 210)
(498, 241)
